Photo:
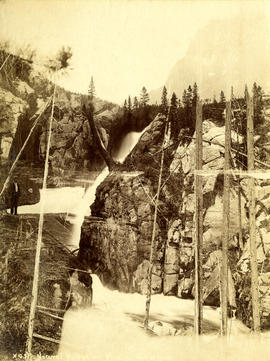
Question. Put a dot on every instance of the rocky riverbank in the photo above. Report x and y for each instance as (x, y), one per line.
(117, 244)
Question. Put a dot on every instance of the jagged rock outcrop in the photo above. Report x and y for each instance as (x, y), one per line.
(12, 107)
(117, 245)
(23, 93)
(72, 143)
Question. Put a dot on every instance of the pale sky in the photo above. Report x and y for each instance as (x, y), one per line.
(124, 45)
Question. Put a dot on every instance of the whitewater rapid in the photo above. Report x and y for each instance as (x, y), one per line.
(75, 201)
(112, 330)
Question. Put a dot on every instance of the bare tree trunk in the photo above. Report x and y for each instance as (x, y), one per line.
(89, 113)
(226, 224)
(198, 222)
(252, 215)
(149, 285)
(39, 239)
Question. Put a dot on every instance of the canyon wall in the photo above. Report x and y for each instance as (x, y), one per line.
(115, 241)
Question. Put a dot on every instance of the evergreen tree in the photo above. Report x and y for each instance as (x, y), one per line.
(173, 116)
(194, 93)
(222, 97)
(189, 96)
(91, 90)
(135, 103)
(174, 102)
(129, 109)
(164, 101)
(144, 97)
(184, 98)
(214, 99)
(129, 104)
(125, 105)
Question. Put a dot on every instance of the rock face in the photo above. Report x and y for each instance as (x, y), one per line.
(72, 144)
(117, 243)
(23, 96)
(12, 107)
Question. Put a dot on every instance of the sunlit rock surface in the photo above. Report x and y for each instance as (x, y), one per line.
(117, 245)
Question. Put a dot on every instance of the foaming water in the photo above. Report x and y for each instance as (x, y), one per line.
(112, 330)
(128, 143)
(83, 208)
(75, 201)
(56, 200)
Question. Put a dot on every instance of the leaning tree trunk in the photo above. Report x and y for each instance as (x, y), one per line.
(88, 111)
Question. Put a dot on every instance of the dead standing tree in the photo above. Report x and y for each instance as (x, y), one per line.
(198, 221)
(55, 66)
(252, 216)
(226, 224)
(152, 247)
(88, 111)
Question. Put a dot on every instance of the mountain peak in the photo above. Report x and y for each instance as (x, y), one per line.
(225, 53)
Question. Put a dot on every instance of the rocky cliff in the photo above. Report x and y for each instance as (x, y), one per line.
(24, 92)
(116, 242)
(23, 95)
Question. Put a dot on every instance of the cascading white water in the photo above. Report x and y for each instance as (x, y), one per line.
(75, 201)
(112, 329)
(83, 207)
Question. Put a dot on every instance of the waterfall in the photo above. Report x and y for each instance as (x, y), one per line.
(112, 330)
(83, 207)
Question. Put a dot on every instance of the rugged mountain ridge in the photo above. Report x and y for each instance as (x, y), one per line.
(225, 53)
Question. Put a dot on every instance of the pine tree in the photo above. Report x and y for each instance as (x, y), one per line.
(222, 97)
(164, 101)
(129, 104)
(174, 102)
(184, 98)
(189, 96)
(194, 93)
(173, 116)
(125, 104)
(144, 97)
(92, 90)
(135, 103)
(129, 109)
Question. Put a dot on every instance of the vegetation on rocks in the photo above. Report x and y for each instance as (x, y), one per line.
(125, 220)
(18, 240)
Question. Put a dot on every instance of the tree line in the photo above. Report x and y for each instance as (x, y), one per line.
(137, 112)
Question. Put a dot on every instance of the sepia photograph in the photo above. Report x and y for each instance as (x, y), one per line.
(135, 180)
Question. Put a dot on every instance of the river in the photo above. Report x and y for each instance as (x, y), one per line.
(112, 329)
